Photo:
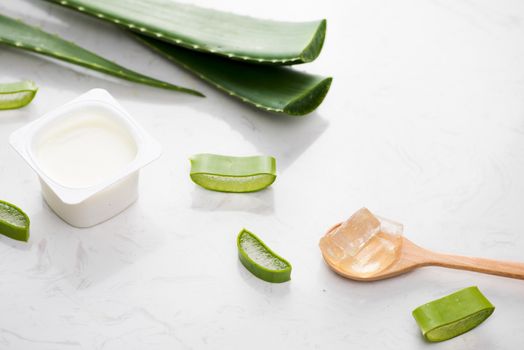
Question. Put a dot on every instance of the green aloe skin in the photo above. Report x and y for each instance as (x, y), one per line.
(17, 95)
(273, 89)
(20, 35)
(233, 36)
(14, 223)
(233, 174)
(453, 315)
(260, 260)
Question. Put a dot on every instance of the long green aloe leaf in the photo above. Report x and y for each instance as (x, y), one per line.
(237, 37)
(275, 89)
(23, 36)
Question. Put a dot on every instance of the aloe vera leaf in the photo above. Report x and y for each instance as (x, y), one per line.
(453, 315)
(233, 174)
(20, 35)
(17, 95)
(237, 37)
(274, 89)
(260, 260)
(14, 223)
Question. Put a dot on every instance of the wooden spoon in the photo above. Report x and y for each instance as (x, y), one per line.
(412, 256)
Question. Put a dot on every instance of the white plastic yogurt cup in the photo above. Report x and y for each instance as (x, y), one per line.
(87, 154)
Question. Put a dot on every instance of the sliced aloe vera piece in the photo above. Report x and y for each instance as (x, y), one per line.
(453, 315)
(275, 89)
(20, 35)
(233, 174)
(234, 36)
(17, 95)
(260, 260)
(14, 223)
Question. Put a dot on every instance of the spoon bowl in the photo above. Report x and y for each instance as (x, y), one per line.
(412, 256)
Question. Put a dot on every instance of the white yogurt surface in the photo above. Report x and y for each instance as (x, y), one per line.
(84, 149)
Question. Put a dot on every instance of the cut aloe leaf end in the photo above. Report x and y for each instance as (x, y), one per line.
(453, 315)
(310, 98)
(273, 89)
(233, 174)
(312, 51)
(14, 223)
(20, 35)
(233, 36)
(260, 260)
(17, 95)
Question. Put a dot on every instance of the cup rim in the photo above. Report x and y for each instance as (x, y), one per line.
(148, 149)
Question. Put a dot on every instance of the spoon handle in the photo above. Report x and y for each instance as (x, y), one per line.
(492, 267)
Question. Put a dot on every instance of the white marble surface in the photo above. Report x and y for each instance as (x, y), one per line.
(424, 124)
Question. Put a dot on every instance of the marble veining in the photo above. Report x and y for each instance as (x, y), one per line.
(423, 124)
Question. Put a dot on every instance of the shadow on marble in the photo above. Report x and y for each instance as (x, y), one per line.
(12, 116)
(86, 257)
(261, 202)
(263, 287)
(284, 137)
(22, 246)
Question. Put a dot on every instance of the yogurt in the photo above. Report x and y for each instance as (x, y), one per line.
(87, 154)
(85, 149)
